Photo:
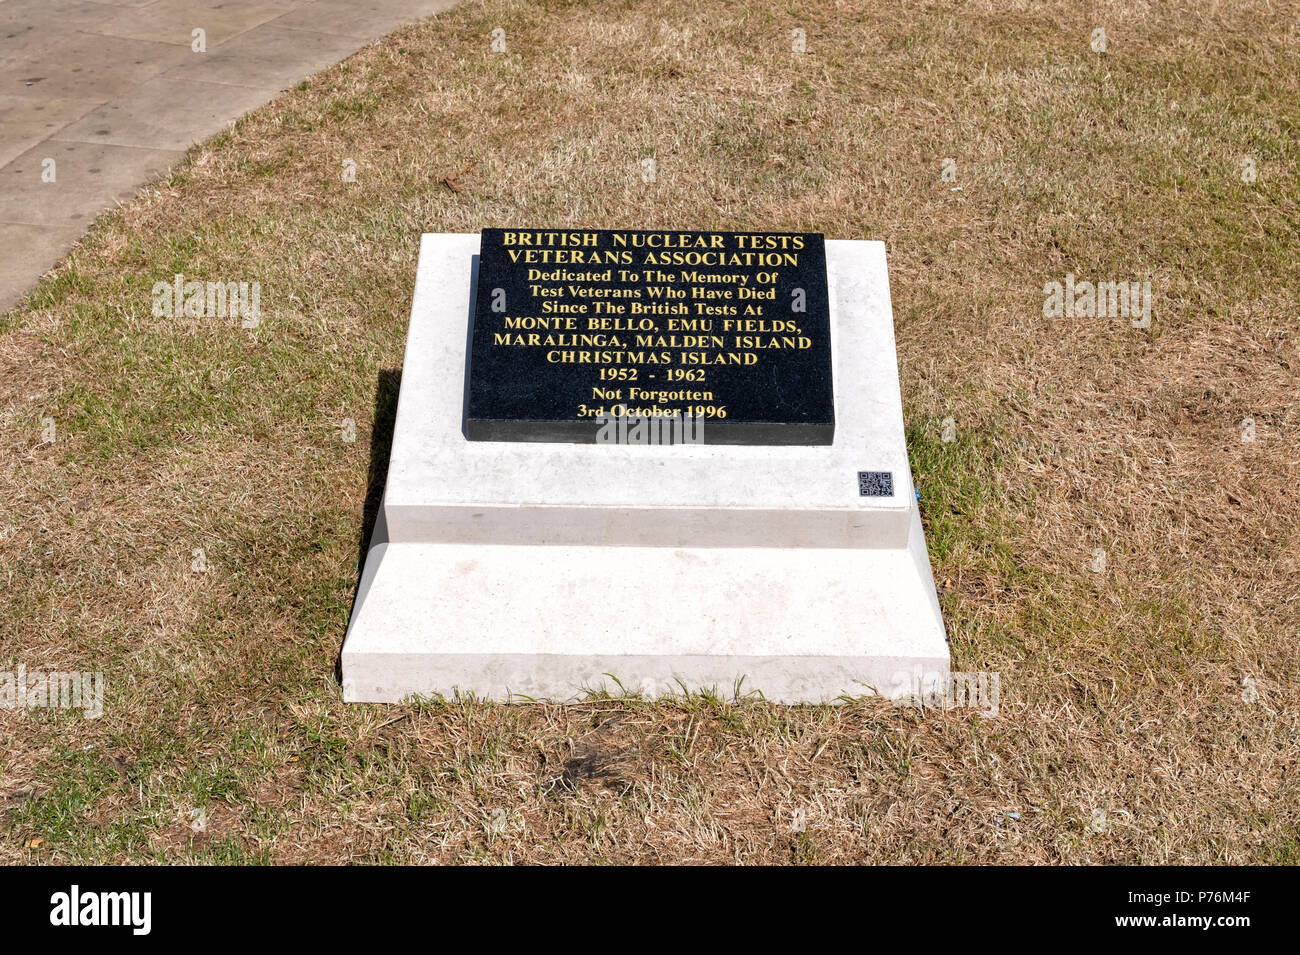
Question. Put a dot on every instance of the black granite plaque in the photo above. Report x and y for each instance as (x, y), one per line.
(725, 335)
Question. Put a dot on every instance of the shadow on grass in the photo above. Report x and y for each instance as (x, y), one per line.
(381, 446)
(387, 387)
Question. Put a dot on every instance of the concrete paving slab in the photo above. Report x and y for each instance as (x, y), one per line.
(24, 121)
(362, 19)
(90, 66)
(173, 21)
(21, 21)
(168, 112)
(271, 56)
(112, 91)
(87, 178)
(26, 253)
(29, 27)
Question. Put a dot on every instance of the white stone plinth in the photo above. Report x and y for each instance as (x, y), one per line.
(545, 570)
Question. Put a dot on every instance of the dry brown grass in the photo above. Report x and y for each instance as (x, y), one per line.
(1122, 691)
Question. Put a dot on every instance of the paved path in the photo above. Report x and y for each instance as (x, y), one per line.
(112, 92)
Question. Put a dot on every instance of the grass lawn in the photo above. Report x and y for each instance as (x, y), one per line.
(1149, 703)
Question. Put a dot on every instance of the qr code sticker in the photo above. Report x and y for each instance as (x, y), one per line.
(876, 483)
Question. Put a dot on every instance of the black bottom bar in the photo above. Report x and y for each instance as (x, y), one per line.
(711, 431)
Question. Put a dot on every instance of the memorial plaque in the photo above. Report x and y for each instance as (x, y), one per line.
(797, 572)
(726, 333)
